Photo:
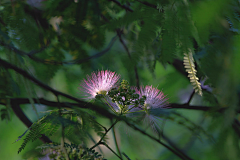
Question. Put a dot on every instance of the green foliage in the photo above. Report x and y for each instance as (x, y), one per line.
(168, 38)
(4, 114)
(49, 124)
(78, 152)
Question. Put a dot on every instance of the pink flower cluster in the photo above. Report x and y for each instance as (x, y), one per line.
(154, 97)
(102, 82)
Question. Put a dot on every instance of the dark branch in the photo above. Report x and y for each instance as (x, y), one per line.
(123, 6)
(18, 101)
(173, 145)
(3, 23)
(85, 105)
(19, 113)
(96, 55)
(191, 96)
(98, 109)
(103, 143)
(236, 127)
(200, 108)
(78, 61)
(180, 155)
(89, 106)
(119, 32)
(38, 51)
(137, 77)
(178, 65)
(148, 4)
(22, 53)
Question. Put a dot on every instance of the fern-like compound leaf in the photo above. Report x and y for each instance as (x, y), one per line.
(188, 63)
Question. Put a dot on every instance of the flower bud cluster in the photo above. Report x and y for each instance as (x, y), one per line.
(125, 95)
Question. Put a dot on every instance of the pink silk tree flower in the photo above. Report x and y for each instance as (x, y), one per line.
(154, 97)
(99, 83)
(155, 100)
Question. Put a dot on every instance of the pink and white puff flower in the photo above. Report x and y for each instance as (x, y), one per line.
(154, 97)
(99, 83)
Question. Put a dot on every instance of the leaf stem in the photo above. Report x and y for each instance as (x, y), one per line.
(115, 140)
(103, 143)
(110, 106)
(63, 128)
(100, 141)
(191, 96)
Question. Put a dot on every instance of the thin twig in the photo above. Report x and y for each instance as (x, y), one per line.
(105, 129)
(115, 140)
(174, 145)
(100, 141)
(3, 23)
(62, 143)
(137, 77)
(20, 114)
(178, 65)
(38, 51)
(63, 128)
(22, 53)
(148, 4)
(180, 155)
(103, 143)
(126, 156)
(193, 138)
(94, 142)
(119, 32)
(77, 61)
(191, 96)
(99, 54)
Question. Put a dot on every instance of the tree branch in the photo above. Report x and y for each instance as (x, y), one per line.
(94, 56)
(98, 109)
(100, 141)
(115, 140)
(123, 6)
(90, 106)
(178, 65)
(22, 53)
(179, 154)
(148, 4)
(103, 143)
(19, 113)
(78, 61)
(173, 145)
(191, 96)
(86, 105)
(119, 32)
(200, 108)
